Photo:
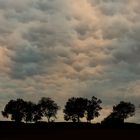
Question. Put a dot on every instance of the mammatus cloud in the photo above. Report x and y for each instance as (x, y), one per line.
(64, 48)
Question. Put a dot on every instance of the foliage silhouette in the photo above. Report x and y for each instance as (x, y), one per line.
(120, 112)
(22, 110)
(93, 108)
(75, 109)
(48, 108)
(30, 112)
(16, 109)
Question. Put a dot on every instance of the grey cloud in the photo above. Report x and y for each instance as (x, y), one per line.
(24, 70)
(111, 7)
(28, 54)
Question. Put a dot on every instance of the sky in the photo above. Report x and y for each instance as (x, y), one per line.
(65, 48)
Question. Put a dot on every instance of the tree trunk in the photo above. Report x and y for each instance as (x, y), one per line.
(78, 119)
(48, 119)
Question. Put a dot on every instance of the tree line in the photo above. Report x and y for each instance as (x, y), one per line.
(75, 109)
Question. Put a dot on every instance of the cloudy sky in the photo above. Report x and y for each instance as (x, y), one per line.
(65, 48)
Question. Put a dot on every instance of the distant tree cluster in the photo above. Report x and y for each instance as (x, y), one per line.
(75, 109)
(20, 110)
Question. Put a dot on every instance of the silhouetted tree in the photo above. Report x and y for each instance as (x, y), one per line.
(48, 108)
(16, 109)
(75, 109)
(120, 112)
(37, 113)
(93, 108)
(30, 111)
(124, 110)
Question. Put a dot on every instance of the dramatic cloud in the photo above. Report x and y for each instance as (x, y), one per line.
(64, 48)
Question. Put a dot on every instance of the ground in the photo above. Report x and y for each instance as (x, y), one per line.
(78, 131)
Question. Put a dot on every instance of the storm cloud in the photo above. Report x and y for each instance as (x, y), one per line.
(64, 48)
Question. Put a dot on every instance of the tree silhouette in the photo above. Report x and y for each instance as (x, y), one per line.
(37, 113)
(75, 109)
(16, 109)
(29, 112)
(93, 108)
(120, 112)
(124, 110)
(48, 108)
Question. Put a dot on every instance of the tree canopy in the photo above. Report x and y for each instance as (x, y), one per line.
(93, 108)
(77, 108)
(29, 112)
(20, 110)
(120, 112)
(48, 108)
(16, 109)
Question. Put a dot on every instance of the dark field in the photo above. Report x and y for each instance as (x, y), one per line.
(78, 131)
